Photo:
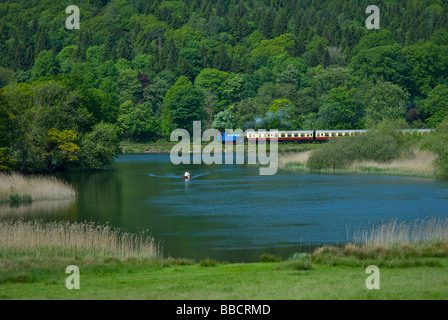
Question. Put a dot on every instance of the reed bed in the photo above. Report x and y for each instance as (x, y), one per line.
(288, 159)
(420, 164)
(393, 232)
(67, 239)
(34, 188)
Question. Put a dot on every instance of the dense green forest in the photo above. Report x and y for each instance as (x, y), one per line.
(137, 69)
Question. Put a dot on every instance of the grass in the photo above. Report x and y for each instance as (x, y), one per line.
(413, 259)
(263, 281)
(16, 188)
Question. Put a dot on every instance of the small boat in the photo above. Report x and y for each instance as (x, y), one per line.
(186, 178)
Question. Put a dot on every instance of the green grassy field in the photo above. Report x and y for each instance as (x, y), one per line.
(236, 281)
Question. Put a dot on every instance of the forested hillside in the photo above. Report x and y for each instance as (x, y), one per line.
(137, 69)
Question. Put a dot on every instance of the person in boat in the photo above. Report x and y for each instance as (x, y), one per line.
(187, 175)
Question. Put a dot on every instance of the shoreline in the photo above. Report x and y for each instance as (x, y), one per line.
(107, 259)
(293, 157)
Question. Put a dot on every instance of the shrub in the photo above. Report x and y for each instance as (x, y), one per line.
(303, 264)
(342, 152)
(299, 256)
(439, 146)
(265, 257)
(208, 263)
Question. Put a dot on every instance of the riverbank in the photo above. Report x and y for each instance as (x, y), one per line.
(412, 258)
(165, 147)
(418, 164)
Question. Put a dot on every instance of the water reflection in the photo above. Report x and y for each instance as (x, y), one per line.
(39, 209)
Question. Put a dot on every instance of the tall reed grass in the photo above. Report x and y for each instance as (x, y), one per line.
(67, 239)
(34, 188)
(393, 232)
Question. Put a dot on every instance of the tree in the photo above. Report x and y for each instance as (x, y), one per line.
(99, 147)
(60, 149)
(331, 78)
(138, 123)
(65, 59)
(210, 78)
(43, 42)
(266, 23)
(181, 83)
(222, 59)
(439, 146)
(386, 101)
(186, 107)
(223, 120)
(192, 58)
(7, 163)
(428, 63)
(45, 65)
(123, 51)
(155, 93)
(385, 62)
(128, 85)
(290, 75)
(434, 108)
(339, 110)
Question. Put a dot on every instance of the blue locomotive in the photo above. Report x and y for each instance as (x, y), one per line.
(234, 138)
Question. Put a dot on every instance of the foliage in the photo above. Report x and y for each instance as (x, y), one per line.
(100, 146)
(438, 143)
(242, 57)
(185, 107)
(60, 148)
(386, 101)
(382, 144)
(435, 107)
(7, 163)
(138, 124)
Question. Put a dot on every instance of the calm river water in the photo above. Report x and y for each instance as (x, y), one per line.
(231, 213)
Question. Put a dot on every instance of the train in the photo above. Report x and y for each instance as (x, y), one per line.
(303, 136)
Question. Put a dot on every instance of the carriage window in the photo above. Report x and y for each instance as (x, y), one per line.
(282, 135)
(296, 135)
(302, 135)
(289, 135)
(327, 135)
(340, 134)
